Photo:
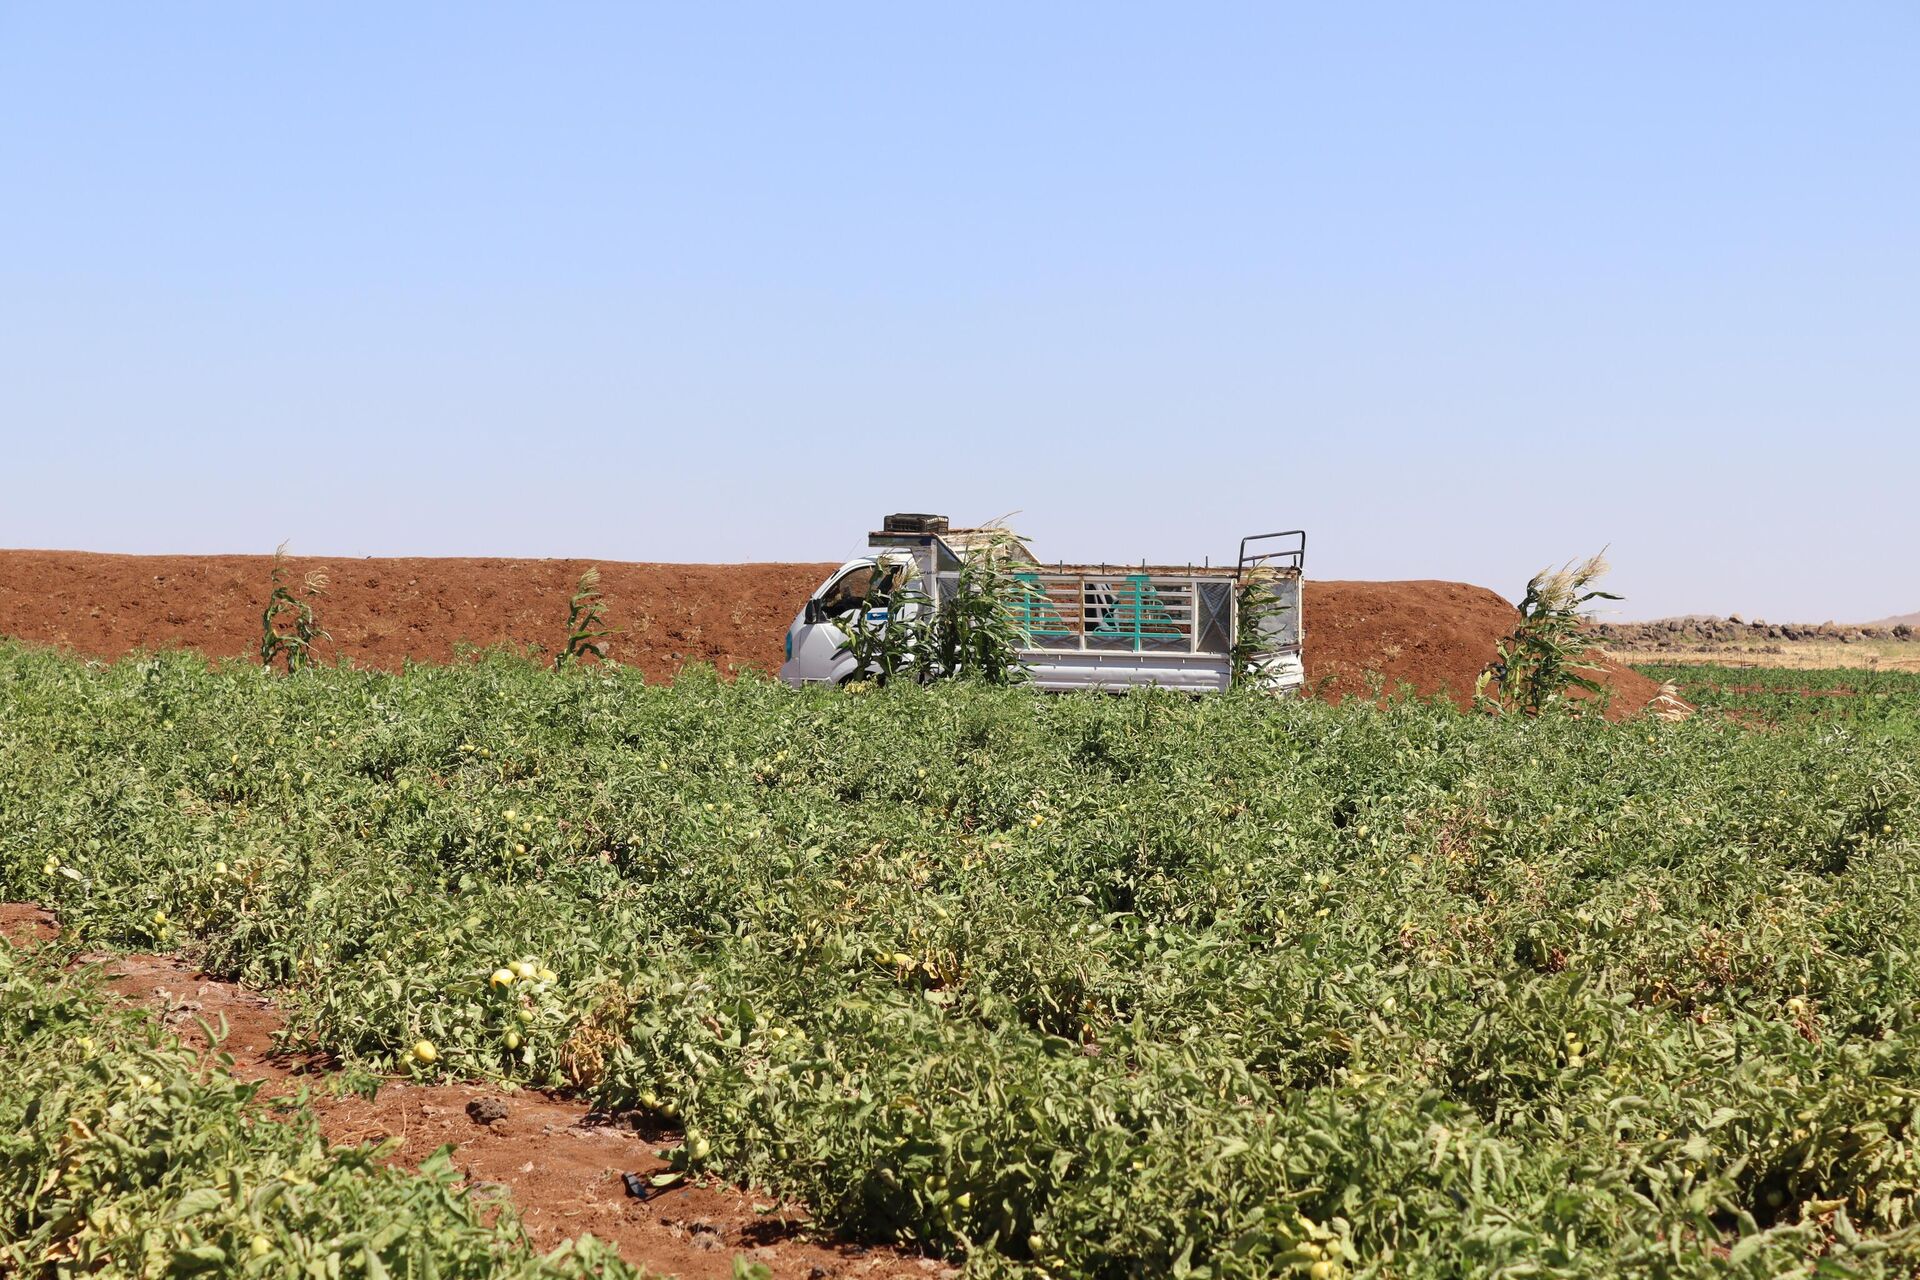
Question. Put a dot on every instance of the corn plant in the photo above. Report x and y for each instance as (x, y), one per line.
(1544, 660)
(585, 612)
(978, 632)
(1255, 605)
(288, 626)
(886, 632)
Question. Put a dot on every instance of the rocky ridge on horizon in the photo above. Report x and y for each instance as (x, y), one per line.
(1695, 632)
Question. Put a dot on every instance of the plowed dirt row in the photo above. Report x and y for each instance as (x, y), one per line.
(1431, 636)
(560, 1165)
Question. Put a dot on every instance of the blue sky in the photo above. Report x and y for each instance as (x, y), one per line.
(1462, 289)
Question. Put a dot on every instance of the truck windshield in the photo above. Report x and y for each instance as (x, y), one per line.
(850, 588)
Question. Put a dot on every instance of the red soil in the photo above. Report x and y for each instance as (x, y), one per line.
(560, 1167)
(1433, 636)
(23, 924)
(381, 611)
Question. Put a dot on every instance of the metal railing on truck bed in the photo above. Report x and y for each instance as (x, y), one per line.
(1085, 612)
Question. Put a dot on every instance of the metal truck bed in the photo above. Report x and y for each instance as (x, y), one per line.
(1094, 627)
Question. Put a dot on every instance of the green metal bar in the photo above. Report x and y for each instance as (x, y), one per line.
(1037, 607)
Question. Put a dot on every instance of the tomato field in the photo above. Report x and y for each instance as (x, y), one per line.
(1069, 987)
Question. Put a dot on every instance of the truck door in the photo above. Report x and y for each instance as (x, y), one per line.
(814, 640)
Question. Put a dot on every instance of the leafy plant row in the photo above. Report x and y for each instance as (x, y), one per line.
(121, 1157)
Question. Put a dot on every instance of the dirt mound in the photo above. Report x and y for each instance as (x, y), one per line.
(1433, 636)
(381, 611)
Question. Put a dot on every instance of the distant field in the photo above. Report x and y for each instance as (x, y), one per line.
(1739, 643)
(1791, 655)
(1879, 699)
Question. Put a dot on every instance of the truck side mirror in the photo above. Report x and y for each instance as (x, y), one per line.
(813, 612)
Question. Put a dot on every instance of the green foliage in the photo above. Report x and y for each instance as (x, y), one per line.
(1255, 606)
(975, 634)
(290, 639)
(1544, 659)
(1074, 986)
(585, 636)
(886, 634)
(122, 1157)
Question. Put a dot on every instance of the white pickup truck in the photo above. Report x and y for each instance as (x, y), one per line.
(1087, 626)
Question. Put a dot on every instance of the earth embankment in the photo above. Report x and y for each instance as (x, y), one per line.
(1430, 636)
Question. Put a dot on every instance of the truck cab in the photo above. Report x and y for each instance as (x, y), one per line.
(813, 653)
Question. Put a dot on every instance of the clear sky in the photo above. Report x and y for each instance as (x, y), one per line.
(1461, 288)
